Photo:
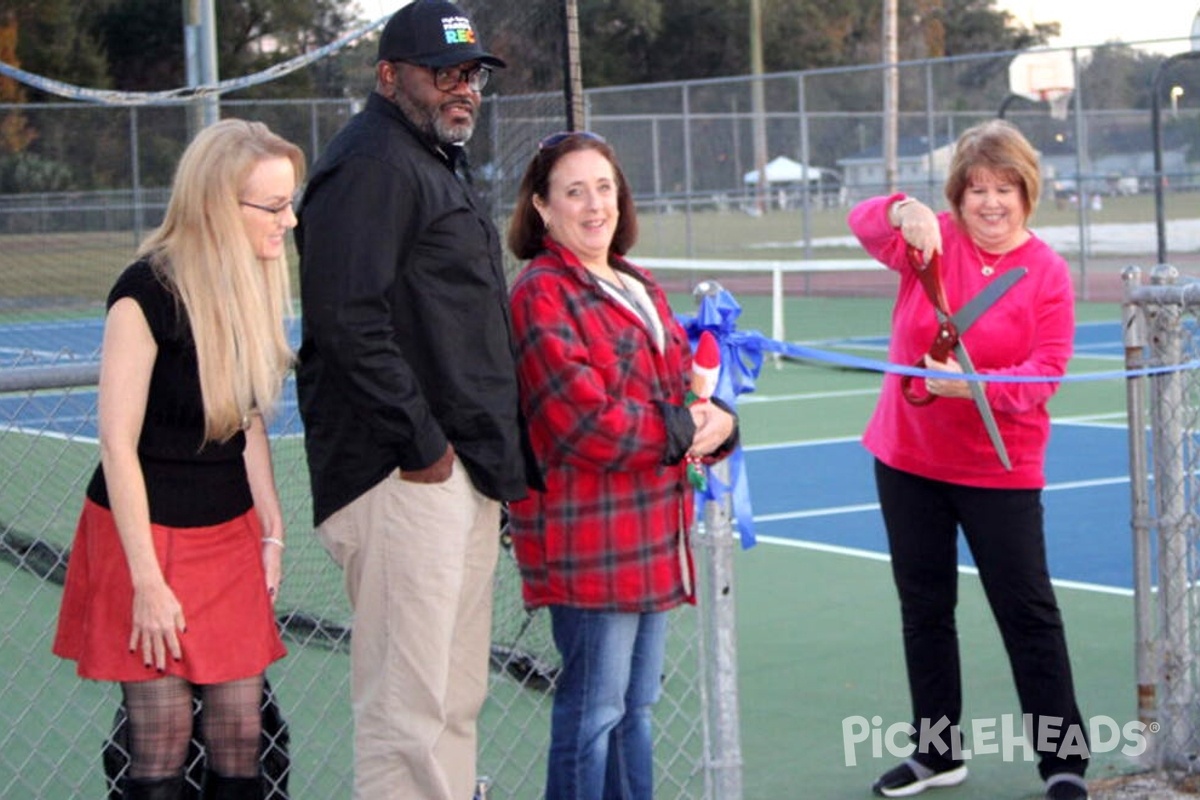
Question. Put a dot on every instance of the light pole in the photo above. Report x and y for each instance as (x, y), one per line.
(891, 93)
(758, 106)
(200, 48)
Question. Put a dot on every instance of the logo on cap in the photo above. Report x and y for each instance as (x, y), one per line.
(457, 30)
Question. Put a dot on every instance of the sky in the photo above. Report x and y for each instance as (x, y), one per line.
(1084, 22)
(1088, 22)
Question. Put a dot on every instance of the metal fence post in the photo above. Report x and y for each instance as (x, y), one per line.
(1170, 481)
(1133, 318)
(716, 540)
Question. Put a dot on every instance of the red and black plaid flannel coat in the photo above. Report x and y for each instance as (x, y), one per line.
(610, 531)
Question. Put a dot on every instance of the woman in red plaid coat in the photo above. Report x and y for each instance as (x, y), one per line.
(603, 368)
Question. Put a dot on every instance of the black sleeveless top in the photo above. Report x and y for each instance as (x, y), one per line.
(189, 482)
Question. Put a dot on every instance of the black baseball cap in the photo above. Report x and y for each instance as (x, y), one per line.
(434, 33)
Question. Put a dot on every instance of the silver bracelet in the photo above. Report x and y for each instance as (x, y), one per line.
(894, 211)
(275, 541)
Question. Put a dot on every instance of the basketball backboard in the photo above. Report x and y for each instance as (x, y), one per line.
(1044, 76)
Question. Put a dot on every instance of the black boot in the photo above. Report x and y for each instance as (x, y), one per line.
(218, 787)
(170, 788)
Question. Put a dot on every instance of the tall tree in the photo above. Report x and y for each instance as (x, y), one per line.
(639, 41)
(619, 37)
(15, 133)
(53, 40)
(146, 50)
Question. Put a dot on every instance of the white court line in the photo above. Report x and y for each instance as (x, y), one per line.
(786, 398)
(870, 555)
(835, 511)
(42, 433)
(799, 396)
(1092, 420)
(1100, 421)
(48, 355)
(88, 323)
(830, 511)
(801, 443)
(81, 439)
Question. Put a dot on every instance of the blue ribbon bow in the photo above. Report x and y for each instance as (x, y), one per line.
(741, 361)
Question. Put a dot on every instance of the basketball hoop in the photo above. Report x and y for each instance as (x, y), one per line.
(1059, 101)
(1046, 76)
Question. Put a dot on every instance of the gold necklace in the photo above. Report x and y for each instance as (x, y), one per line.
(988, 269)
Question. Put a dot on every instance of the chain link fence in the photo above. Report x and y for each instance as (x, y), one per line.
(54, 727)
(1164, 423)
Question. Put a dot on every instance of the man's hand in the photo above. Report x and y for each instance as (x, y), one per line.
(437, 472)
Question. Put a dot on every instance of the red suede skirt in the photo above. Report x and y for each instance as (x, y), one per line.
(217, 575)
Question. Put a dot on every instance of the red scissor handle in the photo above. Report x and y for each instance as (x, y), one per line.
(947, 334)
(930, 276)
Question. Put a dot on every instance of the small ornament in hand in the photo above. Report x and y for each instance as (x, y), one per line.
(706, 367)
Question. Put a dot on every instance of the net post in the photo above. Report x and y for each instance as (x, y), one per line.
(777, 323)
(715, 539)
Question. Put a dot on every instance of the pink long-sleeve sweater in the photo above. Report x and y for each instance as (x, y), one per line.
(1028, 332)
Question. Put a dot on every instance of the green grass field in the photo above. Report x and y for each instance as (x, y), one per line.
(69, 271)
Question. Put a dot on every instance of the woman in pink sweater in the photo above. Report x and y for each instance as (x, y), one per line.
(937, 471)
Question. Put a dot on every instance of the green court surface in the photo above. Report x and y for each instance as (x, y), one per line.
(819, 642)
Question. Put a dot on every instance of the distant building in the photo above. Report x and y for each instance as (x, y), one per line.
(921, 169)
(1115, 173)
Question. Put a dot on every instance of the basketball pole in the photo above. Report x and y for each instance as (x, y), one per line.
(1156, 82)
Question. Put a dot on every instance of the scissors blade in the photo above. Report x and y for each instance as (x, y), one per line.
(965, 317)
(981, 403)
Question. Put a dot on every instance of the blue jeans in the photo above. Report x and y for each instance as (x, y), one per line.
(601, 742)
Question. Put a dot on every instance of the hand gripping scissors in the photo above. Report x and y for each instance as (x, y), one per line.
(950, 327)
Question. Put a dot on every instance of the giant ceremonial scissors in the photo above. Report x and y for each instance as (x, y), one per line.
(950, 328)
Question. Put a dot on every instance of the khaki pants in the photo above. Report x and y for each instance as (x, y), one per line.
(418, 562)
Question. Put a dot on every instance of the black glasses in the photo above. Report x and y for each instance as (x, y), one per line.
(276, 210)
(447, 79)
(555, 139)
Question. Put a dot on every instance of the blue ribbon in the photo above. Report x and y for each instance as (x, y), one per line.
(741, 361)
(742, 355)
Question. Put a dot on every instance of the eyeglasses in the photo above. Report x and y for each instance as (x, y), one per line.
(555, 139)
(276, 210)
(447, 79)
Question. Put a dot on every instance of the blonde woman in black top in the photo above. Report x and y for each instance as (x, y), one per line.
(177, 557)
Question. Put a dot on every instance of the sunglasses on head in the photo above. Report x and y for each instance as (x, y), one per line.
(555, 139)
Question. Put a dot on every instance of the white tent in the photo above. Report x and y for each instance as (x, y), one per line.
(784, 170)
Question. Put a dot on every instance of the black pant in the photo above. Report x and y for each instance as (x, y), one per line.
(1003, 528)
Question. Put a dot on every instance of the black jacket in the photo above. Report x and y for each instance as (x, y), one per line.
(407, 340)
